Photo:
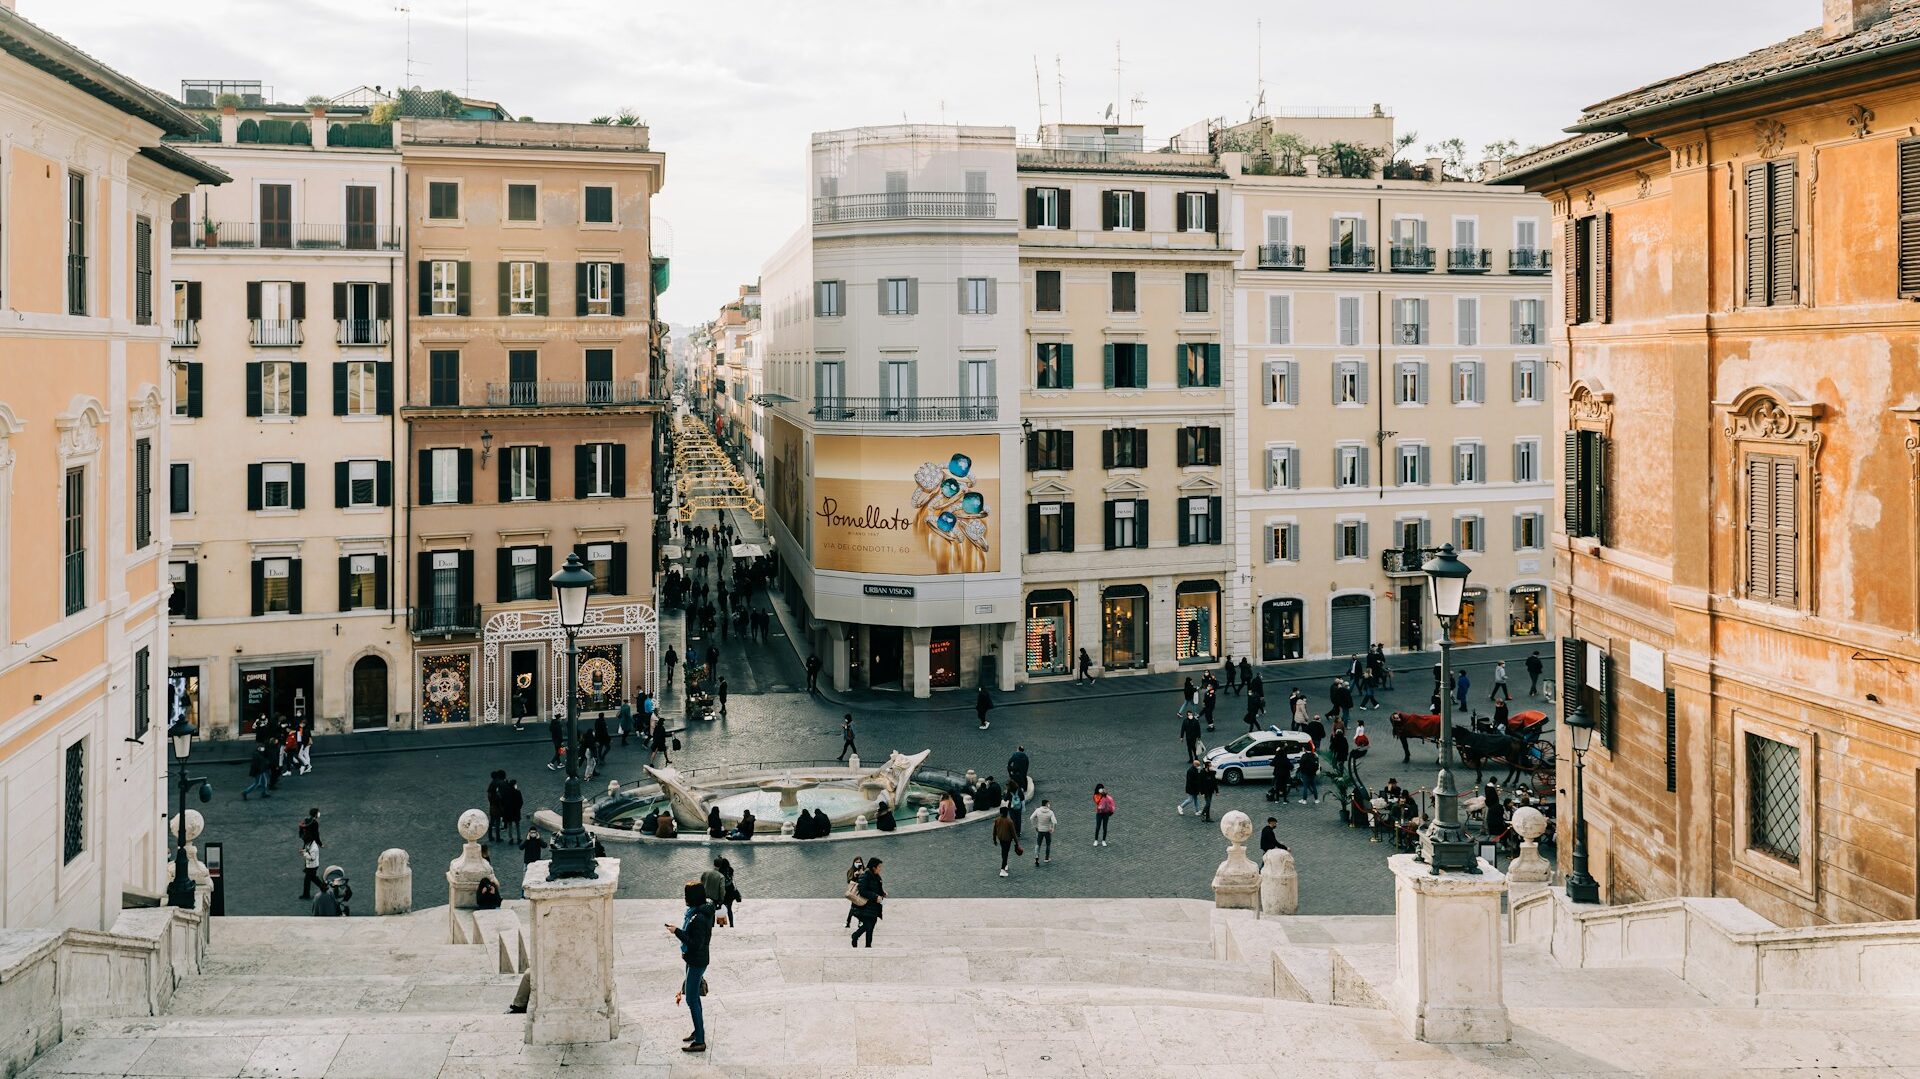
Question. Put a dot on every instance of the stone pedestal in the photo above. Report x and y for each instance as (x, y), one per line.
(1528, 872)
(1236, 883)
(1446, 983)
(196, 869)
(465, 873)
(1279, 883)
(570, 962)
(393, 883)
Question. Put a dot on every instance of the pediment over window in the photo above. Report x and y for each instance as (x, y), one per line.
(1124, 488)
(1771, 414)
(1049, 490)
(1200, 485)
(1590, 406)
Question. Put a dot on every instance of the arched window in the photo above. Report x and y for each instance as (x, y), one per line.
(369, 692)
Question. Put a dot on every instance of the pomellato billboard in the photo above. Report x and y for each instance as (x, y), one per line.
(910, 506)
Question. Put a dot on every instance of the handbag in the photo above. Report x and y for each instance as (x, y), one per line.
(1018, 849)
(853, 894)
(703, 987)
(676, 745)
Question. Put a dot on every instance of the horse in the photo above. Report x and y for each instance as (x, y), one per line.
(1478, 747)
(1406, 725)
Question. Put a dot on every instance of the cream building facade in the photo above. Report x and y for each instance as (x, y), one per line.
(283, 486)
(83, 535)
(1391, 338)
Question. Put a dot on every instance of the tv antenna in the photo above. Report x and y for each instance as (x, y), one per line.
(406, 14)
(1119, 94)
(1259, 67)
(1059, 90)
(1039, 95)
(467, 45)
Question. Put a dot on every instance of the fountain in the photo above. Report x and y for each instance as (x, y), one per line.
(844, 794)
(788, 788)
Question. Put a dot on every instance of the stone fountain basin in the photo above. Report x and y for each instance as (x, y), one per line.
(844, 794)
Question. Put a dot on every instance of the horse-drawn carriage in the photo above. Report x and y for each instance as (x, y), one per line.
(1520, 746)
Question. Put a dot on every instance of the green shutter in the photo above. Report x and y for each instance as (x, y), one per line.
(1213, 364)
(1106, 352)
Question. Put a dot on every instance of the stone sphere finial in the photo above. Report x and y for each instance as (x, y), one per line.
(1530, 823)
(473, 825)
(195, 825)
(393, 860)
(1236, 826)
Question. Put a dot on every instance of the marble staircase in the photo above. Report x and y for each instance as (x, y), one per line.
(951, 988)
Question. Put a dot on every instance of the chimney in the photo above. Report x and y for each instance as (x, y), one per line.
(318, 124)
(1436, 169)
(1843, 17)
(229, 125)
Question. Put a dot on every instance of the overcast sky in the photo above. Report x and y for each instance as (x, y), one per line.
(732, 88)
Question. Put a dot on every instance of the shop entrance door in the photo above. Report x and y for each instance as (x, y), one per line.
(1283, 629)
(943, 657)
(1413, 603)
(884, 665)
(523, 673)
(283, 692)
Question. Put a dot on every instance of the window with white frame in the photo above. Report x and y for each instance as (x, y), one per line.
(1469, 462)
(1527, 388)
(974, 297)
(1350, 466)
(275, 579)
(1526, 233)
(897, 381)
(1124, 211)
(1467, 389)
(1196, 210)
(827, 299)
(1470, 532)
(1282, 382)
(1412, 459)
(1410, 321)
(599, 288)
(363, 382)
(1280, 319)
(1349, 316)
(1126, 523)
(894, 295)
(1525, 329)
(1283, 543)
(1466, 315)
(1283, 468)
(599, 464)
(1350, 540)
(521, 287)
(523, 473)
(444, 487)
(1348, 386)
(1410, 382)
(276, 485)
(976, 381)
(362, 483)
(1199, 513)
(1047, 207)
(446, 288)
(276, 388)
(1529, 531)
(1526, 460)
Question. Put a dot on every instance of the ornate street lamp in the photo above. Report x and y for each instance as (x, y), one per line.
(1581, 887)
(180, 888)
(573, 848)
(1444, 844)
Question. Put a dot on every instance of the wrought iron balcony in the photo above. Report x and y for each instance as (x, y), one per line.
(1406, 561)
(1530, 261)
(1350, 257)
(1283, 257)
(273, 234)
(1527, 334)
(907, 410)
(450, 620)
(186, 332)
(1406, 258)
(899, 205)
(564, 394)
(1409, 333)
(1469, 260)
(364, 332)
(276, 332)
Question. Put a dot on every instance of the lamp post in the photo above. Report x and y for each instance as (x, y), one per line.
(1443, 843)
(180, 889)
(573, 848)
(1581, 887)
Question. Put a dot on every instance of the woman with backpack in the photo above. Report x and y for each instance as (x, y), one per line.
(1102, 813)
(866, 895)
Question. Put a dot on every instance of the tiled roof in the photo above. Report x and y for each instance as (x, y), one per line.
(1555, 152)
(57, 57)
(1899, 31)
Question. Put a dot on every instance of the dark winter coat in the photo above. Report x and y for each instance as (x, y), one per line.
(697, 936)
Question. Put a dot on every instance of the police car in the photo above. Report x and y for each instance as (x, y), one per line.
(1250, 756)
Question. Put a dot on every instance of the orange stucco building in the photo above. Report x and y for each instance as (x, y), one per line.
(1738, 390)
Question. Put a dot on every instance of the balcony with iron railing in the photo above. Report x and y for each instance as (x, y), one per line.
(1408, 258)
(904, 205)
(276, 333)
(277, 235)
(906, 410)
(446, 620)
(360, 332)
(186, 332)
(566, 394)
(1469, 260)
(1409, 333)
(1350, 257)
(1406, 561)
(1282, 257)
(1527, 333)
(1530, 261)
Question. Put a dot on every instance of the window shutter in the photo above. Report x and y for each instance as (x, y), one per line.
(1756, 238)
(1293, 543)
(1180, 220)
(190, 606)
(383, 301)
(580, 290)
(1033, 452)
(1066, 451)
(1673, 745)
(259, 579)
(1516, 531)
(294, 590)
(505, 282)
(1269, 538)
(1213, 445)
(1786, 532)
(1459, 463)
(1139, 435)
(299, 485)
(1183, 447)
(582, 470)
(1109, 210)
(254, 487)
(1518, 472)
(1106, 515)
(1420, 381)
(1513, 323)
(1277, 319)
(1337, 379)
(465, 472)
(423, 577)
(1366, 465)
(1273, 468)
(542, 474)
(1293, 382)
(1573, 673)
(299, 388)
(1033, 207)
(463, 289)
(339, 389)
(1213, 513)
(383, 483)
(340, 484)
(1139, 211)
(1033, 528)
(1066, 367)
(383, 387)
(424, 472)
(960, 295)
(619, 298)
(1213, 364)
(1603, 718)
(1596, 477)
(1479, 368)
(298, 306)
(1423, 324)
(1293, 467)
(1459, 542)
(1910, 218)
(193, 301)
(253, 389)
(1570, 270)
(1140, 364)
(619, 470)
(1183, 527)
(1573, 484)
(1515, 370)
(424, 271)
(1140, 523)
(1213, 211)
(1268, 371)
(993, 295)
(339, 300)
(1760, 575)
(195, 375)
(617, 571)
(253, 299)
(1106, 352)
(1363, 380)
(463, 591)
(1106, 447)
(1423, 463)
(1782, 257)
(1066, 526)
(1603, 233)
(543, 572)
(503, 575)
(1066, 208)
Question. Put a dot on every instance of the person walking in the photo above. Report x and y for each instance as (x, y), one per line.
(1190, 734)
(259, 772)
(729, 894)
(1341, 696)
(1017, 767)
(1309, 770)
(872, 894)
(1189, 697)
(1227, 673)
(1086, 669)
(1208, 696)
(1534, 669)
(1045, 820)
(672, 660)
(1460, 690)
(310, 877)
(1193, 789)
(1252, 718)
(1209, 786)
(1003, 834)
(720, 694)
(1102, 814)
(846, 737)
(714, 883)
(1246, 674)
(1367, 685)
(559, 737)
(1282, 778)
(657, 741)
(1500, 688)
(854, 872)
(623, 721)
(695, 936)
(982, 703)
(1297, 706)
(813, 674)
(511, 804)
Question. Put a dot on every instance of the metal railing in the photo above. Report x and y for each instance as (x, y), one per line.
(1406, 258)
(1282, 257)
(274, 235)
(1469, 260)
(276, 332)
(76, 284)
(904, 410)
(457, 618)
(186, 332)
(548, 394)
(1357, 257)
(76, 590)
(1409, 333)
(1532, 261)
(1526, 334)
(360, 331)
(1406, 559)
(893, 205)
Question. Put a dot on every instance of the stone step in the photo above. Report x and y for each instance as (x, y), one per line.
(344, 994)
(834, 935)
(295, 958)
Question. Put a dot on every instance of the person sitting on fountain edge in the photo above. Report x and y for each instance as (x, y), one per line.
(988, 796)
(883, 816)
(714, 827)
(803, 825)
(822, 825)
(743, 830)
(650, 824)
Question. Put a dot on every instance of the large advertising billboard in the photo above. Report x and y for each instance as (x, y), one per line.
(910, 506)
